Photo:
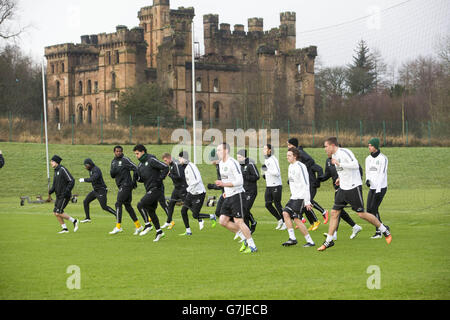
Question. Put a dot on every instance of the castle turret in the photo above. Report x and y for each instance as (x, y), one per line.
(255, 25)
(288, 30)
(210, 29)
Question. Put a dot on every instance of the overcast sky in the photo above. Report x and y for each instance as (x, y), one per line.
(399, 29)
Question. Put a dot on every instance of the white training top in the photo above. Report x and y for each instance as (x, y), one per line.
(348, 169)
(230, 171)
(193, 179)
(299, 182)
(376, 171)
(273, 173)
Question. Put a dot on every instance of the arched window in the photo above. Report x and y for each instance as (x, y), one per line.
(80, 88)
(199, 108)
(53, 68)
(62, 67)
(116, 57)
(89, 87)
(216, 85)
(113, 80)
(57, 115)
(198, 85)
(58, 89)
(80, 114)
(89, 114)
(216, 109)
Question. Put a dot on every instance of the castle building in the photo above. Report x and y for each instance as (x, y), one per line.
(242, 75)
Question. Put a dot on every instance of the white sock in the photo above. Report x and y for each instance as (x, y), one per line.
(251, 243)
(309, 239)
(291, 234)
(329, 238)
(241, 235)
(64, 226)
(71, 219)
(212, 216)
(382, 228)
(188, 230)
(355, 226)
(335, 234)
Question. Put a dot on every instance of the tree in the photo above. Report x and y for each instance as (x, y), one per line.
(8, 10)
(361, 75)
(20, 83)
(145, 102)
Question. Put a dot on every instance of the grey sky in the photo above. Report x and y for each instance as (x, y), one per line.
(399, 29)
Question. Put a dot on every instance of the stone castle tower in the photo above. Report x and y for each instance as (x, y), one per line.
(241, 75)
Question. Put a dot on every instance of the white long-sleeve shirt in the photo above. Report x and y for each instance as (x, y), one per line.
(299, 182)
(193, 179)
(230, 171)
(273, 173)
(376, 171)
(348, 169)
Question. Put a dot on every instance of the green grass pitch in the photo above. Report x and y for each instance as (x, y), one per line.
(34, 259)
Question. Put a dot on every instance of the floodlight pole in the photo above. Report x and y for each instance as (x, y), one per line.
(193, 96)
(45, 124)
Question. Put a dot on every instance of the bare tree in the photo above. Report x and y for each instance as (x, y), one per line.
(8, 10)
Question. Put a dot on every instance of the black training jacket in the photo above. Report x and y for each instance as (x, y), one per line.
(176, 173)
(312, 168)
(151, 172)
(95, 176)
(251, 175)
(120, 171)
(63, 183)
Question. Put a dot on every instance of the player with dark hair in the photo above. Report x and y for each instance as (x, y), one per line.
(121, 167)
(350, 190)
(314, 170)
(274, 188)
(100, 190)
(151, 172)
(176, 173)
(300, 197)
(63, 184)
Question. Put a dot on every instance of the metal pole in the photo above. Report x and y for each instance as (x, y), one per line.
(45, 124)
(193, 94)
(10, 126)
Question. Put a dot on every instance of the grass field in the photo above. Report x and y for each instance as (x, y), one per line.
(34, 258)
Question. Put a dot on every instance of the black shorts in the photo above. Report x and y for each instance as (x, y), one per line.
(352, 197)
(273, 194)
(194, 202)
(60, 205)
(233, 206)
(219, 205)
(294, 207)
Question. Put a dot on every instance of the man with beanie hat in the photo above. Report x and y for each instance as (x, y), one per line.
(376, 180)
(63, 184)
(251, 176)
(99, 192)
